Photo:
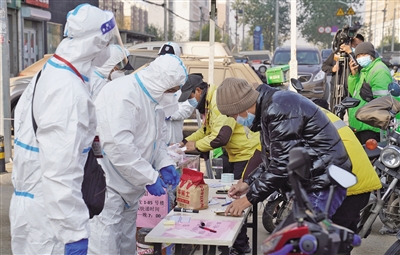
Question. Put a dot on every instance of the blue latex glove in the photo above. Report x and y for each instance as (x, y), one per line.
(157, 189)
(77, 248)
(170, 175)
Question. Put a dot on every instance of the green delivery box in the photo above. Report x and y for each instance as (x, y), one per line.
(277, 75)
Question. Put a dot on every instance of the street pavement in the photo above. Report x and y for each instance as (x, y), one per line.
(375, 244)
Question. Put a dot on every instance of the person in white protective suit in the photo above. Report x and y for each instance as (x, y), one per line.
(111, 70)
(135, 158)
(175, 111)
(47, 213)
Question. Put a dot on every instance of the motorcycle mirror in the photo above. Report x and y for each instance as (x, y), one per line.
(342, 177)
(300, 162)
(296, 84)
(394, 89)
(350, 102)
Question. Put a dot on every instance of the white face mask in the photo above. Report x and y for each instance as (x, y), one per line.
(116, 74)
(169, 103)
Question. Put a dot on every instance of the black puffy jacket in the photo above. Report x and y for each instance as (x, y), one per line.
(287, 120)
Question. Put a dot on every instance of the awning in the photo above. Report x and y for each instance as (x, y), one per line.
(35, 13)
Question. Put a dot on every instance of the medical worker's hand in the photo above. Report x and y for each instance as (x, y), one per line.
(77, 248)
(170, 175)
(158, 188)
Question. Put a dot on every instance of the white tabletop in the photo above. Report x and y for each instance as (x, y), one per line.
(190, 233)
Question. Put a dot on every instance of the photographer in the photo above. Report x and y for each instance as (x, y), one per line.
(331, 65)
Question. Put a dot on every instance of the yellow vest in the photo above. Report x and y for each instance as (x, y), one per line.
(367, 178)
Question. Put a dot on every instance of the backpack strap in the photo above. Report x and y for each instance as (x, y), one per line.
(33, 94)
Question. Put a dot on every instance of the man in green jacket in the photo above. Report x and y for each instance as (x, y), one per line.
(369, 83)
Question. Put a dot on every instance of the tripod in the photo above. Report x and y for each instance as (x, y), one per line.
(338, 91)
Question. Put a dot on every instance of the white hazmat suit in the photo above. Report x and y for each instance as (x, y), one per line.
(100, 75)
(47, 212)
(130, 130)
(174, 122)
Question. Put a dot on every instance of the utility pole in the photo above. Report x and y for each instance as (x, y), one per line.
(276, 23)
(165, 21)
(243, 24)
(236, 33)
(5, 123)
(370, 23)
(383, 30)
(293, 39)
(201, 23)
(376, 8)
(394, 27)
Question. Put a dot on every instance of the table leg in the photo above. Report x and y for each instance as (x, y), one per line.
(255, 228)
(157, 248)
(205, 249)
(213, 250)
(178, 249)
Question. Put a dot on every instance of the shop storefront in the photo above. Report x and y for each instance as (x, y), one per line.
(13, 7)
(33, 36)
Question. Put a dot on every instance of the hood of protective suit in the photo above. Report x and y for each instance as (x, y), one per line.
(165, 72)
(116, 53)
(88, 31)
(170, 48)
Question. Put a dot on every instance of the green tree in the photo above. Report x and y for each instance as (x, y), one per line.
(205, 34)
(313, 14)
(156, 31)
(262, 13)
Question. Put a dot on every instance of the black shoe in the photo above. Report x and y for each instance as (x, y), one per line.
(233, 251)
(247, 248)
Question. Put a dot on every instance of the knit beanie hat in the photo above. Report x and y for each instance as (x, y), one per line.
(365, 48)
(235, 96)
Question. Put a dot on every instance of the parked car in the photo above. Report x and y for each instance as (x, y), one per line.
(395, 59)
(259, 59)
(240, 58)
(325, 54)
(309, 70)
(188, 48)
(386, 61)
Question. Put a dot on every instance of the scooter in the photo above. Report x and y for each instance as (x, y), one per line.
(381, 113)
(304, 231)
(278, 205)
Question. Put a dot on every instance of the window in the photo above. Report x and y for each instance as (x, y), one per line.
(54, 36)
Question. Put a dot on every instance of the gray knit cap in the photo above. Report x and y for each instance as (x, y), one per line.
(235, 96)
(365, 48)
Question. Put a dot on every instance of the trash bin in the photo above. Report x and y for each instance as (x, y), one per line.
(142, 247)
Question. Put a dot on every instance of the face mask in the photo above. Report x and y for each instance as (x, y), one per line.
(353, 49)
(169, 103)
(116, 74)
(193, 102)
(248, 121)
(364, 61)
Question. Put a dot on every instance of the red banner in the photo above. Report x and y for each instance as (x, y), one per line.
(40, 3)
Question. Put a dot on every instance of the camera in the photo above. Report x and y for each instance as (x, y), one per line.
(344, 35)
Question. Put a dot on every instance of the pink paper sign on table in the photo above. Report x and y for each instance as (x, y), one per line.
(151, 210)
(191, 229)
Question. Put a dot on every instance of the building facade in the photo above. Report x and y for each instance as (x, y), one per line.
(383, 20)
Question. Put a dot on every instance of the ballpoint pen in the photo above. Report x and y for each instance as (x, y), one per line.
(227, 203)
(202, 226)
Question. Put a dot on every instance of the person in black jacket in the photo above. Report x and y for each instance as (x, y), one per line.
(331, 65)
(286, 120)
